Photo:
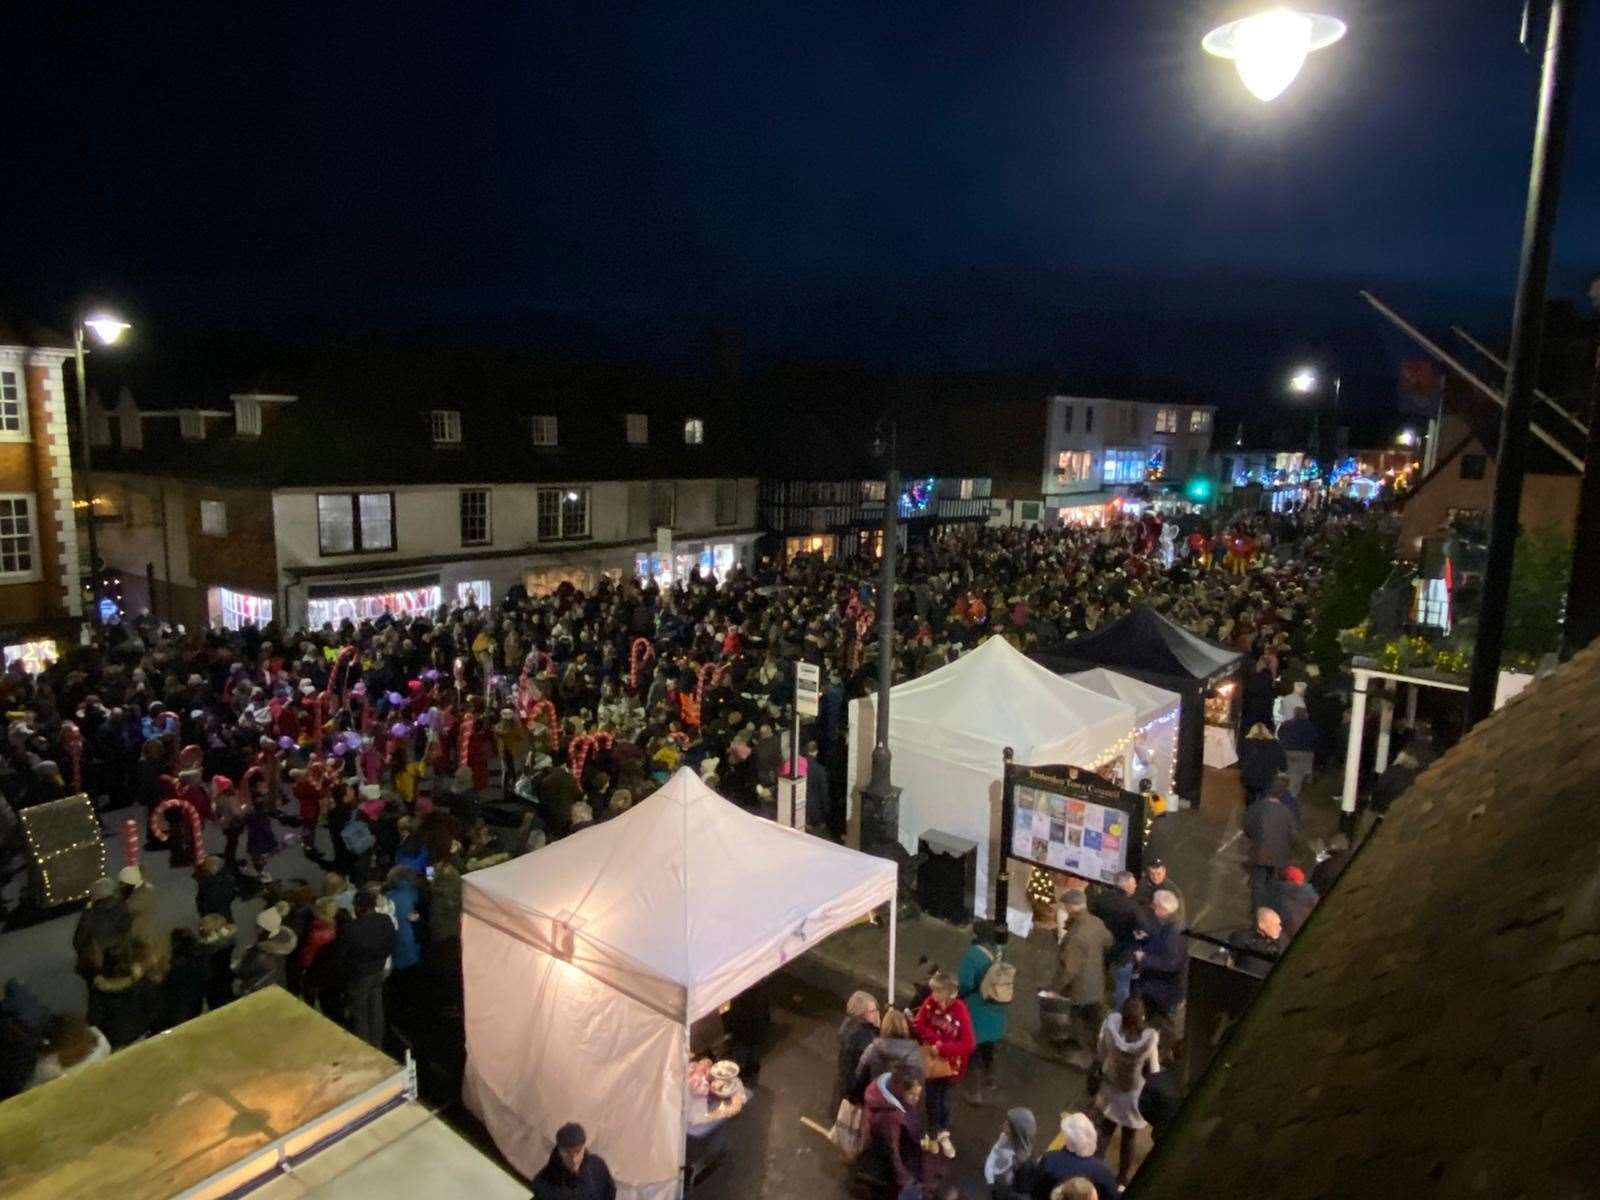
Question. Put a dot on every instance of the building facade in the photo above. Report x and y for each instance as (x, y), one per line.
(41, 594)
(1096, 450)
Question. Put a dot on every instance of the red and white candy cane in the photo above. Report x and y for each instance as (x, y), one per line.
(132, 843)
(707, 673)
(190, 758)
(582, 747)
(639, 653)
(72, 743)
(540, 709)
(158, 827)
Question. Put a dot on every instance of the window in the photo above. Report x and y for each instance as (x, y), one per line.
(191, 425)
(1474, 466)
(13, 406)
(235, 610)
(964, 491)
(1199, 420)
(214, 520)
(18, 554)
(1166, 420)
(446, 425)
(1066, 422)
(663, 504)
(544, 431)
(1122, 466)
(727, 502)
(872, 491)
(694, 431)
(1075, 466)
(563, 513)
(474, 516)
(246, 418)
(1088, 418)
(355, 522)
(637, 427)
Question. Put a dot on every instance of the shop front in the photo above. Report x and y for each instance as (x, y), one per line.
(1084, 509)
(229, 608)
(333, 603)
(824, 545)
(708, 557)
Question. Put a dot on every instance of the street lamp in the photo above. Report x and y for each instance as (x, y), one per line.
(107, 330)
(1307, 382)
(880, 814)
(1269, 48)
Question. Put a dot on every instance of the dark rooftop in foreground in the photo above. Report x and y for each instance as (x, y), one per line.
(1435, 1031)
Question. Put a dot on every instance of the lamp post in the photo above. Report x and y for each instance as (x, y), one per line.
(880, 817)
(107, 330)
(1307, 382)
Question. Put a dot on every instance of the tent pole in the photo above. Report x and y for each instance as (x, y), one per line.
(1352, 754)
(889, 1001)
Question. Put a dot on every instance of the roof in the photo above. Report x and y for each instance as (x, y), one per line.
(683, 901)
(1148, 700)
(1432, 1031)
(15, 332)
(1149, 644)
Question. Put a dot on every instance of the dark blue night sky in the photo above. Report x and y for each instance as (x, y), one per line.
(973, 184)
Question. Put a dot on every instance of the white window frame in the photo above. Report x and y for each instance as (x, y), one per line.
(444, 425)
(357, 545)
(487, 516)
(558, 496)
(636, 428)
(214, 518)
(1199, 420)
(14, 391)
(191, 425)
(247, 416)
(546, 430)
(964, 490)
(35, 570)
(694, 431)
(1075, 466)
(1166, 420)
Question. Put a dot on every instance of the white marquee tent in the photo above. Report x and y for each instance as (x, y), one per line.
(948, 731)
(585, 963)
(1156, 713)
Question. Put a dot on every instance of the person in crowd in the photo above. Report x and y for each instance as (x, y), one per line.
(944, 1026)
(144, 917)
(856, 1033)
(1126, 1053)
(890, 1164)
(121, 1000)
(183, 992)
(1270, 829)
(1159, 1101)
(1081, 978)
(70, 1043)
(1161, 968)
(572, 1172)
(1119, 911)
(1261, 760)
(405, 898)
(1009, 1167)
(1331, 865)
(1075, 1160)
(1260, 695)
(1394, 782)
(367, 944)
(103, 925)
(894, 1049)
(215, 936)
(317, 963)
(1155, 878)
(1299, 737)
(265, 963)
(1293, 898)
(1076, 1188)
(1256, 948)
(988, 1016)
(215, 888)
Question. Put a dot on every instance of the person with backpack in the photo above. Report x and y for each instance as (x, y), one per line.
(986, 982)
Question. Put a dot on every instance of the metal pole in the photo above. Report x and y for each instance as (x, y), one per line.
(1352, 753)
(88, 473)
(880, 784)
(1002, 879)
(1583, 586)
(1527, 329)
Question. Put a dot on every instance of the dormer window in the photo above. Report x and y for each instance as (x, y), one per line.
(446, 425)
(637, 426)
(247, 416)
(192, 425)
(545, 431)
(694, 431)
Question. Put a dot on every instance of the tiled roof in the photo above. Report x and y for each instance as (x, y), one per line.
(1435, 1030)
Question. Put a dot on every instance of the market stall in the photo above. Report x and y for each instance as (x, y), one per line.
(949, 730)
(1153, 754)
(586, 962)
(1152, 648)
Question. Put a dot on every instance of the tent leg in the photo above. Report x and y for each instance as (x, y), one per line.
(889, 999)
(1352, 754)
(1380, 756)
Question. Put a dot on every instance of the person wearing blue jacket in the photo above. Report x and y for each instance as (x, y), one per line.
(403, 894)
(988, 1018)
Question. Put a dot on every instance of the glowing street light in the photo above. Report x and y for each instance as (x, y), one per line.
(1304, 380)
(107, 330)
(1406, 437)
(1269, 48)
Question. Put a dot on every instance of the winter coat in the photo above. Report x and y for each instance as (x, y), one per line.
(988, 1018)
(100, 926)
(266, 964)
(407, 950)
(1328, 870)
(183, 992)
(892, 1157)
(1058, 1166)
(1271, 827)
(948, 1031)
(122, 1008)
(1083, 960)
(219, 965)
(1293, 902)
(1260, 760)
(444, 906)
(1255, 953)
(855, 1035)
(1120, 914)
(885, 1055)
(1163, 972)
(367, 943)
(592, 1180)
(216, 894)
(318, 937)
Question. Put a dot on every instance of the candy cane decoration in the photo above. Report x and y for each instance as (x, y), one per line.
(190, 758)
(72, 742)
(540, 709)
(159, 828)
(639, 653)
(582, 747)
(130, 843)
(708, 672)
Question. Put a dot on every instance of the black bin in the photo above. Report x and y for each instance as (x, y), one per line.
(947, 880)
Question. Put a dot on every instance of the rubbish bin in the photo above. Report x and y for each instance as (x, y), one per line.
(948, 877)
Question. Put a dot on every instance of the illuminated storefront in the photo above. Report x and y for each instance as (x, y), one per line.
(718, 557)
(34, 656)
(229, 609)
(404, 598)
(824, 545)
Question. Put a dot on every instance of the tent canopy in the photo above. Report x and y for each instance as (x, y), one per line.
(682, 902)
(1148, 642)
(995, 697)
(1148, 700)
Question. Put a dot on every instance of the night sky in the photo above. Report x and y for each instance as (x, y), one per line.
(966, 184)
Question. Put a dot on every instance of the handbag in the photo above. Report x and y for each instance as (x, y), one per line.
(935, 1067)
(849, 1132)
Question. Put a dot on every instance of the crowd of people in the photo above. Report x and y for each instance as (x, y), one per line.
(397, 755)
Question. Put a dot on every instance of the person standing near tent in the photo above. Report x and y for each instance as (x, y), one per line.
(988, 1015)
(944, 1027)
(572, 1173)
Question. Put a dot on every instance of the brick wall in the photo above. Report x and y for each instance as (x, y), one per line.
(246, 559)
(1546, 500)
(42, 467)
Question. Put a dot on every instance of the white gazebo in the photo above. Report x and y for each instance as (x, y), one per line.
(586, 962)
(948, 732)
(1153, 755)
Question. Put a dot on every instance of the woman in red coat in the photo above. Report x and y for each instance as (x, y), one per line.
(944, 1025)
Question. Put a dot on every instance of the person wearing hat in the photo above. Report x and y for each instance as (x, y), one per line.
(1075, 1160)
(103, 924)
(890, 1164)
(572, 1172)
(266, 962)
(122, 1002)
(1009, 1168)
(1084, 944)
(144, 916)
(1293, 898)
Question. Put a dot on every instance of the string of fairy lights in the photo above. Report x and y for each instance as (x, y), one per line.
(91, 839)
